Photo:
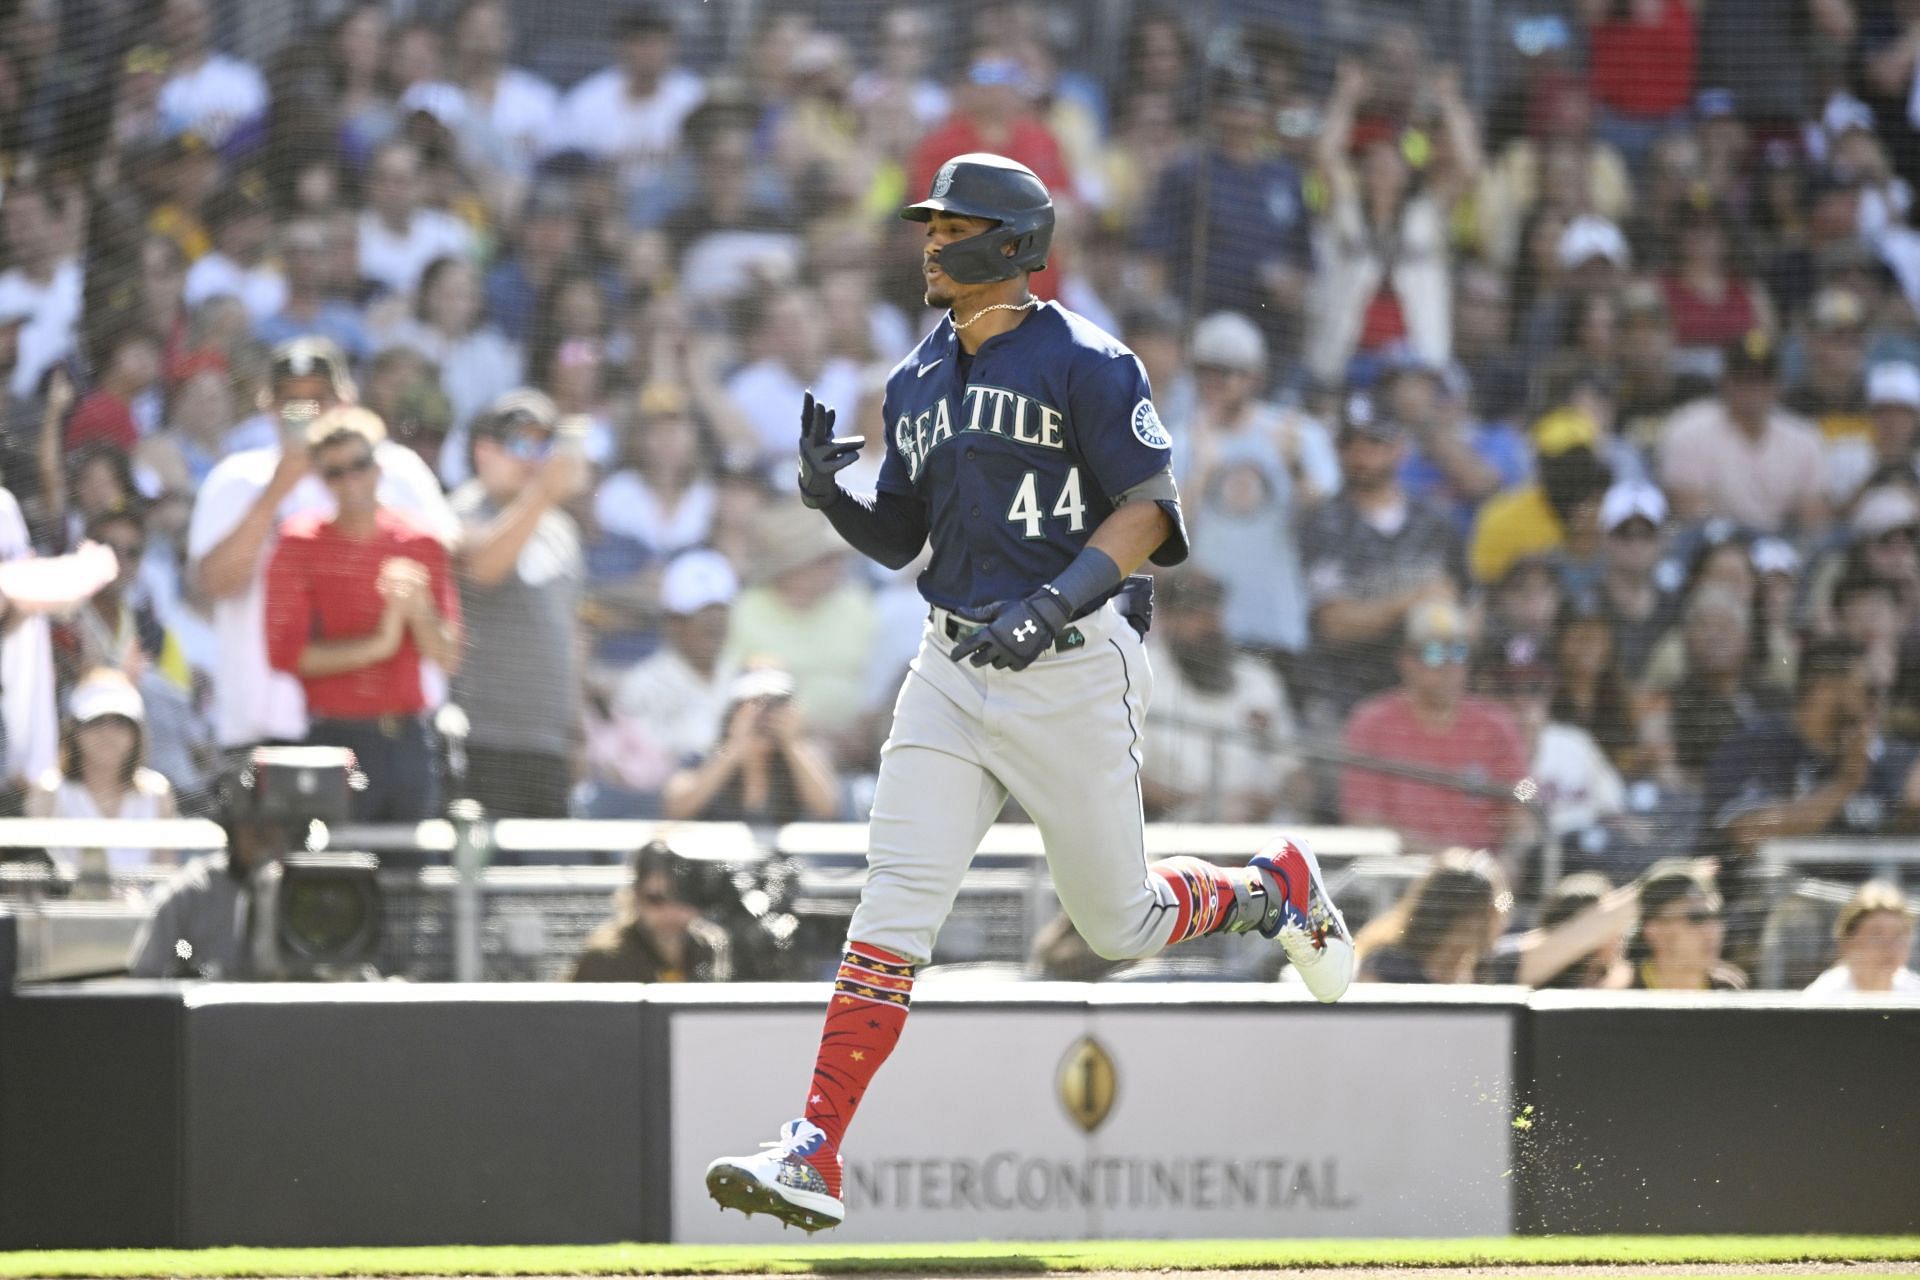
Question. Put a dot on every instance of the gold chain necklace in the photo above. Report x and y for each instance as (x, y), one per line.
(1028, 305)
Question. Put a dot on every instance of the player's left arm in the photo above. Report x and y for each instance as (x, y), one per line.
(1131, 534)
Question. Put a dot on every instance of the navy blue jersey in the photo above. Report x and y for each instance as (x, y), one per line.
(1018, 451)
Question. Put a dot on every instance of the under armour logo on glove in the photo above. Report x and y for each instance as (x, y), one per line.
(1016, 632)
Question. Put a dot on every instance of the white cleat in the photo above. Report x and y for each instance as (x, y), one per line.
(1300, 912)
(779, 1180)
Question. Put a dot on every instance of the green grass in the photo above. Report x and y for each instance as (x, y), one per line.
(824, 1257)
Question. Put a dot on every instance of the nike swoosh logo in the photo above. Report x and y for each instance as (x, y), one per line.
(927, 368)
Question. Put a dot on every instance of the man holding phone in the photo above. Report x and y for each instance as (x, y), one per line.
(521, 576)
(236, 518)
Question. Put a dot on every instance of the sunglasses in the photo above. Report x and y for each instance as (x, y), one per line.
(1634, 530)
(1699, 915)
(656, 899)
(529, 448)
(1905, 533)
(341, 471)
(1439, 653)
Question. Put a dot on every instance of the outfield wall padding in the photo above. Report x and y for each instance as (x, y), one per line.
(154, 1114)
(1765, 1116)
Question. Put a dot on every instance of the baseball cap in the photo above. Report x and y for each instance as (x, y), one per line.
(1545, 33)
(1590, 236)
(1836, 309)
(1632, 500)
(1361, 414)
(444, 102)
(1752, 356)
(105, 693)
(1439, 621)
(1565, 429)
(760, 682)
(1895, 382)
(310, 357)
(1714, 104)
(1229, 340)
(521, 407)
(1883, 510)
(697, 579)
(1775, 555)
(1845, 112)
(998, 71)
(1643, 300)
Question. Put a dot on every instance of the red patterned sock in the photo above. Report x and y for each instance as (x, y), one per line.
(1202, 894)
(871, 996)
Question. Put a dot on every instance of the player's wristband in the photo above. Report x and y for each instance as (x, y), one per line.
(1092, 576)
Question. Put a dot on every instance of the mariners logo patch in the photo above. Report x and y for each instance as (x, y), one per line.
(1147, 428)
(943, 181)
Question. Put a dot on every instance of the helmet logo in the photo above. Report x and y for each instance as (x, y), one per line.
(943, 181)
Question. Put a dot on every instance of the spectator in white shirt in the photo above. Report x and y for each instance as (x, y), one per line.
(397, 237)
(668, 708)
(900, 82)
(664, 500)
(632, 113)
(789, 347)
(209, 93)
(1874, 937)
(1218, 752)
(516, 107)
(477, 365)
(43, 282)
(236, 518)
(241, 222)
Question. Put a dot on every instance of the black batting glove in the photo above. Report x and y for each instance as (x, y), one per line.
(1016, 632)
(822, 454)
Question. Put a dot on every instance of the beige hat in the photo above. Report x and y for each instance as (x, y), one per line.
(788, 536)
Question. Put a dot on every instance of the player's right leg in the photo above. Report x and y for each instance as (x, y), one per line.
(932, 805)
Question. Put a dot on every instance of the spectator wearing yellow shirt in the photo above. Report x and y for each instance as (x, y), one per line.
(1556, 512)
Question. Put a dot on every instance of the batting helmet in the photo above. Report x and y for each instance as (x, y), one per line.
(982, 185)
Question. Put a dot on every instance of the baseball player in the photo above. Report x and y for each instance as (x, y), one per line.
(1023, 441)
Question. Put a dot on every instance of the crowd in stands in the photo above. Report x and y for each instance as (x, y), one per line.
(1550, 444)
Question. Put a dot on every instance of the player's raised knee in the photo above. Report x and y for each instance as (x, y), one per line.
(1112, 943)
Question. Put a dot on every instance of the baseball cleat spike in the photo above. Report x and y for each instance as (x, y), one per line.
(780, 1180)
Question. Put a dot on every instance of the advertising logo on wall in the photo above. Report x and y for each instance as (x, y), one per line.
(1074, 1121)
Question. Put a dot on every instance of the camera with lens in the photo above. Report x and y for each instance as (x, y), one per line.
(317, 916)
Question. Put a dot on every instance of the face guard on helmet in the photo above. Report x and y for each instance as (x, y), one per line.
(982, 185)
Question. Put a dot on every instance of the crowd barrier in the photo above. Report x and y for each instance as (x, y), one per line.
(157, 1114)
(494, 906)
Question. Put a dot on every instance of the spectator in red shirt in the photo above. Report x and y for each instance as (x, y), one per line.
(1641, 62)
(353, 604)
(1430, 722)
(107, 413)
(993, 111)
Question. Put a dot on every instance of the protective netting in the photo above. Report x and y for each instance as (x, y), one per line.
(1542, 380)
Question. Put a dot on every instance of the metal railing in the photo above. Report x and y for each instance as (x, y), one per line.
(531, 920)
